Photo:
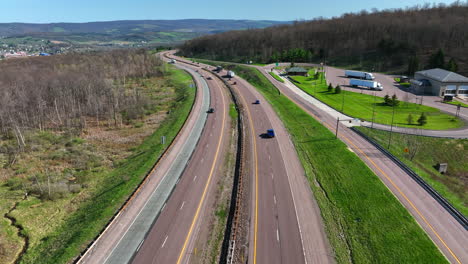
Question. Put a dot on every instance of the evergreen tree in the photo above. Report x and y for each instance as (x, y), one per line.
(422, 120)
(410, 119)
(452, 65)
(413, 65)
(387, 99)
(437, 60)
(394, 101)
(338, 89)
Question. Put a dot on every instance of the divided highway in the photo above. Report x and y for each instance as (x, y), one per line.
(172, 238)
(446, 232)
(184, 178)
(285, 221)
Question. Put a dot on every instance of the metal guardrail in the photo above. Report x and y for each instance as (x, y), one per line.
(439, 198)
(232, 225)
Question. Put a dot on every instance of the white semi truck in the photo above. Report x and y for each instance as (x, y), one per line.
(359, 74)
(368, 84)
(231, 74)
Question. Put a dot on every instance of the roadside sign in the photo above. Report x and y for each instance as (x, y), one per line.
(277, 64)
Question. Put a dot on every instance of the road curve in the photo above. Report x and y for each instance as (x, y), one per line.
(172, 237)
(446, 232)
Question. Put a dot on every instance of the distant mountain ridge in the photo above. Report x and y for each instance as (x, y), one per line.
(203, 26)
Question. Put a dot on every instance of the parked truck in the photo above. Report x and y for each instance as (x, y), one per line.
(172, 61)
(231, 74)
(359, 74)
(368, 84)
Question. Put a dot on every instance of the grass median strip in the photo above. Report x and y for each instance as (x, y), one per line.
(274, 75)
(364, 221)
(82, 225)
(362, 106)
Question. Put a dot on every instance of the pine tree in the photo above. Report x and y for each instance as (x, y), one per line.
(437, 60)
(387, 99)
(422, 120)
(330, 88)
(338, 89)
(452, 65)
(413, 65)
(410, 119)
(394, 101)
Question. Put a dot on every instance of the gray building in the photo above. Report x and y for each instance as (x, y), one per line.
(440, 82)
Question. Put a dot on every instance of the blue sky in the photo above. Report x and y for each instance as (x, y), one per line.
(44, 11)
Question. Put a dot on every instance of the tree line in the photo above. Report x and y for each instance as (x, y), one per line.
(64, 91)
(388, 38)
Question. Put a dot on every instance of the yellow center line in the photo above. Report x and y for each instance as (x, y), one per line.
(389, 179)
(205, 190)
(252, 128)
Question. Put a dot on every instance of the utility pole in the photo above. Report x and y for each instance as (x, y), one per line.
(391, 128)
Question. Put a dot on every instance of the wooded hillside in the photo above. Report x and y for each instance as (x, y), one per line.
(379, 40)
(61, 91)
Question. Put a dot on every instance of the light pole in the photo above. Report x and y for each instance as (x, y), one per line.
(373, 112)
(342, 101)
(391, 127)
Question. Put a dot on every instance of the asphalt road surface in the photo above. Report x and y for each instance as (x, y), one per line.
(171, 239)
(286, 226)
(448, 234)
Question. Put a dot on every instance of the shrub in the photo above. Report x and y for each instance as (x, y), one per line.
(338, 89)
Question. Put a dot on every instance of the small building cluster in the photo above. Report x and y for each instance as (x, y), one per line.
(440, 82)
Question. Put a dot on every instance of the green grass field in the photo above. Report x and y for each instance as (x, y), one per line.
(365, 223)
(457, 103)
(427, 153)
(361, 106)
(67, 240)
(276, 77)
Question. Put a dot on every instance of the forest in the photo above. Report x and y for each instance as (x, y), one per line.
(396, 40)
(65, 91)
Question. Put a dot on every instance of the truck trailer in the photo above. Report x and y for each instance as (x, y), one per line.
(368, 84)
(359, 74)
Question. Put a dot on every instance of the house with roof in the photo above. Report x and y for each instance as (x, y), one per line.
(297, 71)
(440, 82)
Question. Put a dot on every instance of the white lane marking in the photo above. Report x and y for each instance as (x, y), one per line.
(194, 178)
(164, 206)
(272, 176)
(202, 160)
(277, 234)
(269, 157)
(164, 243)
(182, 205)
(139, 246)
(274, 198)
